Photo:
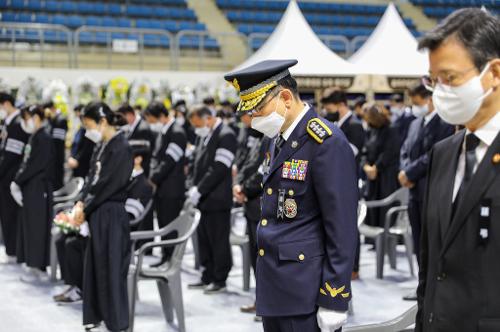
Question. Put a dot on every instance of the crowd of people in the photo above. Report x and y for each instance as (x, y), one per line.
(216, 156)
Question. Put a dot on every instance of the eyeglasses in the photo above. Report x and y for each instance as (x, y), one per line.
(261, 106)
(447, 78)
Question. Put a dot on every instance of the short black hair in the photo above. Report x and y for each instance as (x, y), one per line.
(288, 82)
(4, 97)
(397, 97)
(336, 97)
(78, 107)
(419, 90)
(476, 29)
(359, 102)
(48, 104)
(200, 111)
(98, 110)
(32, 110)
(125, 108)
(156, 109)
(209, 101)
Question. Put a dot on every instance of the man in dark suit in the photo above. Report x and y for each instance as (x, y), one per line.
(138, 131)
(306, 238)
(58, 129)
(459, 287)
(401, 116)
(212, 193)
(337, 111)
(425, 131)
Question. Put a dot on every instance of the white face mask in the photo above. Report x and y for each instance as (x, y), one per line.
(94, 135)
(396, 111)
(156, 127)
(420, 111)
(28, 126)
(271, 124)
(458, 105)
(180, 120)
(202, 131)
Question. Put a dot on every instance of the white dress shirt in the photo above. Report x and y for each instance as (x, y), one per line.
(486, 135)
(286, 134)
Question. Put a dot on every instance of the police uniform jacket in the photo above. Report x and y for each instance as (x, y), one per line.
(168, 174)
(13, 140)
(459, 287)
(213, 160)
(308, 234)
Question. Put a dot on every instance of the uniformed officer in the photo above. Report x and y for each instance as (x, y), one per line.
(307, 234)
(58, 128)
(167, 172)
(12, 142)
(212, 180)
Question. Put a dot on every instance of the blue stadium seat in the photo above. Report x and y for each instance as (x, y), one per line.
(124, 23)
(68, 7)
(52, 6)
(60, 19)
(42, 18)
(8, 17)
(17, 5)
(114, 9)
(3, 4)
(75, 21)
(109, 22)
(93, 21)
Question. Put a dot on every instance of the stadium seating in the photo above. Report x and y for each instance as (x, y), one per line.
(169, 15)
(326, 18)
(439, 9)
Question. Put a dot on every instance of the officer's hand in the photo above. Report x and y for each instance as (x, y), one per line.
(403, 179)
(193, 196)
(78, 214)
(72, 163)
(236, 190)
(330, 320)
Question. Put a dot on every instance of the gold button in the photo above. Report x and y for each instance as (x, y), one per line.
(302, 257)
(496, 158)
(269, 191)
(261, 252)
(291, 192)
(263, 222)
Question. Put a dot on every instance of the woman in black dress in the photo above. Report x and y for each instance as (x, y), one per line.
(381, 160)
(108, 251)
(34, 179)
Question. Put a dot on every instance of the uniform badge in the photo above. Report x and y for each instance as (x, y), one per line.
(295, 144)
(318, 130)
(496, 158)
(295, 170)
(290, 208)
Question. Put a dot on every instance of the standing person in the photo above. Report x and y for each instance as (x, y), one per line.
(12, 142)
(401, 116)
(381, 162)
(34, 178)
(425, 131)
(247, 189)
(459, 272)
(58, 128)
(167, 173)
(138, 131)
(81, 149)
(339, 113)
(180, 114)
(307, 235)
(211, 192)
(107, 257)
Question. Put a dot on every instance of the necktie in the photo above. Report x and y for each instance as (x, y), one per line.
(471, 143)
(278, 144)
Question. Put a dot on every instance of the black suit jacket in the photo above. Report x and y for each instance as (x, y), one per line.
(459, 279)
(212, 169)
(143, 134)
(355, 134)
(414, 157)
(12, 144)
(168, 174)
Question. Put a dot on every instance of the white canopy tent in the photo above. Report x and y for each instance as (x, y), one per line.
(293, 38)
(391, 49)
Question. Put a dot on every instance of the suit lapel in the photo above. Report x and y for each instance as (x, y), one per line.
(299, 136)
(446, 192)
(480, 182)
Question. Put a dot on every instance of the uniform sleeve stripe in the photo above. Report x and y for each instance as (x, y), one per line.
(59, 131)
(132, 210)
(174, 151)
(223, 159)
(221, 152)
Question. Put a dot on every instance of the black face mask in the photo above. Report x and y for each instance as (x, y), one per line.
(332, 117)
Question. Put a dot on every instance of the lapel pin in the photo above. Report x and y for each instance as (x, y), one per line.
(295, 144)
(496, 158)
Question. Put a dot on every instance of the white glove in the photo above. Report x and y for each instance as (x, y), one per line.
(84, 229)
(16, 193)
(330, 320)
(193, 196)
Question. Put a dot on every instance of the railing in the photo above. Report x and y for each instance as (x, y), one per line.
(29, 32)
(44, 37)
(137, 34)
